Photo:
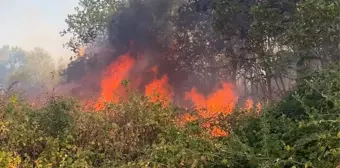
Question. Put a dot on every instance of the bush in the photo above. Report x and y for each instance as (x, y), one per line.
(300, 131)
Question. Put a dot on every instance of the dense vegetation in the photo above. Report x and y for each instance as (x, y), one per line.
(302, 130)
(277, 51)
(263, 46)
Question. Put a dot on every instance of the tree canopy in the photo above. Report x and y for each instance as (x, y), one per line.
(34, 68)
(261, 46)
(89, 22)
(11, 59)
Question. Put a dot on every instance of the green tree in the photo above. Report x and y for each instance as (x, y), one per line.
(89, 22)
(276, 38)
(39, 69)
(258, 45)
(314, 34)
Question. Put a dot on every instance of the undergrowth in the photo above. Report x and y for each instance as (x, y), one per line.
(302, 130)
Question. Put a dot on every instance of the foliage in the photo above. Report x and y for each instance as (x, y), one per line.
(30, 69)
(89, 22)
(261, 43)
(138, 133)
(13, 55)
(262, 46)
(301, 130)
(278, 37)
(11, 58)
(38, 69)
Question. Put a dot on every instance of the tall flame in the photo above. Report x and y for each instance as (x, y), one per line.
(111, 86)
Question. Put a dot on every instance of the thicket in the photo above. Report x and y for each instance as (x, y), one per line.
(302, 130)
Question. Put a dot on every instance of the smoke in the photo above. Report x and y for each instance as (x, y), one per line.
(175, 35)
(178, 33)
(144, 22)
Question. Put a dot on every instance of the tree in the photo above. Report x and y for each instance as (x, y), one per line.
(38, 70)
(13, 55)
(276, 36)
(179, 31)
(11, 58)
(250, 29)
(315, 36)
(260, 46)
(89, 22)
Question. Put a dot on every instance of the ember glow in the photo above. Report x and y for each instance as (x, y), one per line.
(222, 101)
(81, 51)
(249, 104)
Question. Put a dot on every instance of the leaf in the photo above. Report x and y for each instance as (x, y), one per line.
(224, 162)
(288, 148)
(308, 164)
(13, 99)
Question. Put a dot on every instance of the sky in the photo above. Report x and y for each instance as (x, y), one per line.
(36, 23)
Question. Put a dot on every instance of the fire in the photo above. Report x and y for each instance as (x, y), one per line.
(81, 51)
(111, 86)
(258, 107)
(249, 104)
(217, 132)
(116, 73)
(159, 89)
(220, 102)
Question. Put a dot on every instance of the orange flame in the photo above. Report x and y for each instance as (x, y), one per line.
(217, 132)
(249, 104)
(221, 102)
(81, 51)
(111, 86)
(258, 107)
(159, 90)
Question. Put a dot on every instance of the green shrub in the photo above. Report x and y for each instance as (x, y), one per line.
(302, 130)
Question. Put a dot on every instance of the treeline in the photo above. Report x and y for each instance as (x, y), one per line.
(261, 46)
(33, 70)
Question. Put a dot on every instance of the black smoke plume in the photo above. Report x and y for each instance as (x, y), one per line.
(177, 35)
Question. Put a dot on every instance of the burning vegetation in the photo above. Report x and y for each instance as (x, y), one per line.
(188, 83)
(144, 77)
(157, 53)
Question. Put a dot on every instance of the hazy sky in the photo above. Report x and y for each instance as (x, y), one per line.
(35, 23)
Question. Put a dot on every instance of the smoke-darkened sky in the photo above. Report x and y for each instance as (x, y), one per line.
(35, 23)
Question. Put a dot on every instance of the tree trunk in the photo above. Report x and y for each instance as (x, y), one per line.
(269, 87)
(234, 64)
